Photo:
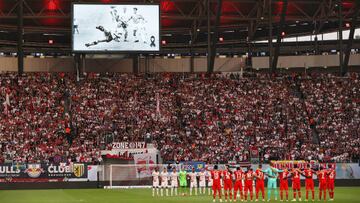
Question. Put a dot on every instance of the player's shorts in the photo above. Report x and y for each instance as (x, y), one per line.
(331, 185)
(193, 184)
(260, 184)
(174, 184)
(238, 186)
(183, 183)
(155, 184)
(202, 184)
(309, 184)
(216, 187)
(228, 185)
(249, 186)
(272, 183)
(210, 183)
(322, 185)
(164, 184)
(296, 185)
(284, 185)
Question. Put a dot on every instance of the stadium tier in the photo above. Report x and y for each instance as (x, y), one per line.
(53, 118)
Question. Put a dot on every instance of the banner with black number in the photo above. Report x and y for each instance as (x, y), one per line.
(29, 170)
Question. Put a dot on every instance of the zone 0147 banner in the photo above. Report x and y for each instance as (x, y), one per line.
(115, 27)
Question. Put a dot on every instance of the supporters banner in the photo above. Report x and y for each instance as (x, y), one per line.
(49, 171)
(129, 145)
(142, 159)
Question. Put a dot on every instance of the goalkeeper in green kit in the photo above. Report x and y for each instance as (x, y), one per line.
(272, 174)
(183, 181)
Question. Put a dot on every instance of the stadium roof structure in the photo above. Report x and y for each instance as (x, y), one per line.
(185, 23)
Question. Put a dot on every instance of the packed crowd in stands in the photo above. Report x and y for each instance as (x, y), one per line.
(52, 117)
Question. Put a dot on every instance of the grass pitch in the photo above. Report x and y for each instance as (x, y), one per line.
(342, 195)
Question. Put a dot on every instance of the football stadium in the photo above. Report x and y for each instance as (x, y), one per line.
(179, 101)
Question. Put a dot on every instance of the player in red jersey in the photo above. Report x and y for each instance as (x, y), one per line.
(239, 176)
(296, 185)
(331, 180)
(249, 177)
(216, 176)
(284, 184)
(309, 182)
(227, 174)
(322, 176)
(260, 183)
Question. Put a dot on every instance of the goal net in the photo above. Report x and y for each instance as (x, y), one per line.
(130, 175)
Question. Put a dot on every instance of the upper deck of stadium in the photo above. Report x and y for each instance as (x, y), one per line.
(242, 25)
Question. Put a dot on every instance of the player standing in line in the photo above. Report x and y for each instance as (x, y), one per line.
(239, 176)
(210, 182)
(183, 181)
(309, 182)
(284, 184)
(331, 180)
(155, 176)
(249, 178)
(202, 181)
(322, 177)
(164, 182)
(272, 174)
(228, 176)
(216, 176)
(296, 184)
(193, 182)
(174, 182)
(260, 183)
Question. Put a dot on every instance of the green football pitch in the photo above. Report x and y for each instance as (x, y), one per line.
(342, 195)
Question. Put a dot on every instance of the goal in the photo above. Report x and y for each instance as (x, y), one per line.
(129, 175)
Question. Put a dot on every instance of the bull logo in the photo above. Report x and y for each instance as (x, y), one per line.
(34, 170)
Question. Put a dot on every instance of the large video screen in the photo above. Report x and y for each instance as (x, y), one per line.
(115, 28)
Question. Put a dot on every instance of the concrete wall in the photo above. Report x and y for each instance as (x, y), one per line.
(305, 61)
(120, 65)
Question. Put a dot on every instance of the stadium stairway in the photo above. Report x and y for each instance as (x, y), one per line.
(314, 138)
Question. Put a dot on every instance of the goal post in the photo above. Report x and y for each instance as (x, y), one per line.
(129, 175)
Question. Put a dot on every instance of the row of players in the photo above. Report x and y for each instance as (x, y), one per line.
(221, 182)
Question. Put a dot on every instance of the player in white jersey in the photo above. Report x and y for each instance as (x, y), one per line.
(193, 182)
(138, 23)
(164, 182)
(202, 181)
(174, 182)
(155, 175)
(210, 182)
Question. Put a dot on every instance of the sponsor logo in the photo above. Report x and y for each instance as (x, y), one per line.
(34, 170)
(79, 170)
(9, 170)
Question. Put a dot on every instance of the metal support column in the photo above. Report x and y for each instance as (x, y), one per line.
(341, 55)
(208, 34)
(192, 68)
(215, 36)
(20, 39)
(270, 34)
(354, 24)
(135, 60)
(279, 37)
